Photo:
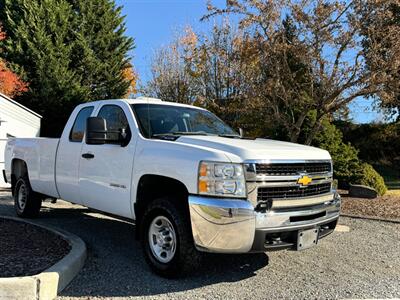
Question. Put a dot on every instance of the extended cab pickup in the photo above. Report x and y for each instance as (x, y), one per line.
(189, 182)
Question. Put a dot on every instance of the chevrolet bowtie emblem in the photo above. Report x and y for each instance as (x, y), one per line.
(304, 180)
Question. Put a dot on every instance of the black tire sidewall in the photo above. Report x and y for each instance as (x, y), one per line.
(33, 202)
(18, 185)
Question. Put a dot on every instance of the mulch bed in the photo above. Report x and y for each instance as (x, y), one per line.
(27, 250)
(386, 207)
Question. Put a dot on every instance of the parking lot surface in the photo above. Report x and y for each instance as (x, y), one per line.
(361, 263)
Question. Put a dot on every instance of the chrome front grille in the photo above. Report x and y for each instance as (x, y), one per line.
(285, 169)
(280, 181)
(285, 192)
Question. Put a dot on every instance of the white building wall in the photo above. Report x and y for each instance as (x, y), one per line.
(15, 121)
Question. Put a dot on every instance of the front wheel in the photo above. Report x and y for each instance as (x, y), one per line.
(27, 203)
(167, 239)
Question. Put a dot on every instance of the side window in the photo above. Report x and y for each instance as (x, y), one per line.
(115, 120)
(78, 130)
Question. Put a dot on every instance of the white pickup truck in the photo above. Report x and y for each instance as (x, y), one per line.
(189, 182)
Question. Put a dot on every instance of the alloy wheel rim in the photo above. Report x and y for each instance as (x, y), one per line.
(162, 239)
(22, 197)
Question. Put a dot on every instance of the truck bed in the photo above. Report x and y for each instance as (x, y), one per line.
(40, 157)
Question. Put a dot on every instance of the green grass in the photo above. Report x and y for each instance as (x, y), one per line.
(393, 193)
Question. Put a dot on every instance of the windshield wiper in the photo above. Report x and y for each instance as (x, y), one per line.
(230, 136)
(189, 133)
(179, 133)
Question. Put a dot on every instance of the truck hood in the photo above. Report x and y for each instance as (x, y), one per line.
(239, 150)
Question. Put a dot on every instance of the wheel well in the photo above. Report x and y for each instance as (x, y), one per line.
(18, 169)
(151, 187)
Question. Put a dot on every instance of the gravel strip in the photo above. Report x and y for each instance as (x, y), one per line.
(362, 263)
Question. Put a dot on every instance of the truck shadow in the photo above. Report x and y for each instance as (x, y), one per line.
(115, 266)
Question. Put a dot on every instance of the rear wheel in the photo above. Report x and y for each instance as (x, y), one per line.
(27, 203)
(167, 239)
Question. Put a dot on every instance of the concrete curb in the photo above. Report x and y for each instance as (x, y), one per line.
(370, 218)
(47, 284)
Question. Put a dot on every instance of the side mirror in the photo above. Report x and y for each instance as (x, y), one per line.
(97, 133)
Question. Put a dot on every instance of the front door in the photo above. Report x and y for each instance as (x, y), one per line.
(105, 176)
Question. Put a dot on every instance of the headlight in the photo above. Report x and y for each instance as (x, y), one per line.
(221, 179)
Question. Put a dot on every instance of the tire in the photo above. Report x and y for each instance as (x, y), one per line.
(185, 258)
(27, 203)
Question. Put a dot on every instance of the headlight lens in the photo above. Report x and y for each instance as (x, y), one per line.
(221, 179)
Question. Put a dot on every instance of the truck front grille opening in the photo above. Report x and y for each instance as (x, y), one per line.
(280, 240)
(264, 206)
(266, 193)
(308, 217)
(287, 169)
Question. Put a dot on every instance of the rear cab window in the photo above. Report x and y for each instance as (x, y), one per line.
(78, 129)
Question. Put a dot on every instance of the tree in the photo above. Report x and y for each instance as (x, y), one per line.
(209, 70)
(285, 83)
(326, 40)
(347, 165)
(130, 75)
(379, 143)
(380, 21)
(100, 48)
(348, 168)
(10, 84)
(171, 80)
(70, 51)
(222, 68)
(38, 47)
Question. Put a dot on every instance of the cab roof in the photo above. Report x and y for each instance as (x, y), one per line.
(148, 100)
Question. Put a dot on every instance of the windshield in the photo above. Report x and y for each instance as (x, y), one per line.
(177, 120)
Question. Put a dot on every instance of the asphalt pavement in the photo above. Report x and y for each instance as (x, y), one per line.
(361, 263)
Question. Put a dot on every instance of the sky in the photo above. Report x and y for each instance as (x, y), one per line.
(154, 23)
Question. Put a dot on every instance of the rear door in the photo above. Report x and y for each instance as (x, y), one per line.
(105, 174)
(69, 154)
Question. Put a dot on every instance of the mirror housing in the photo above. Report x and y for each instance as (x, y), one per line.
(97, 133)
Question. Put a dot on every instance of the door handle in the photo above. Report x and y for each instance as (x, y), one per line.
(88, 155)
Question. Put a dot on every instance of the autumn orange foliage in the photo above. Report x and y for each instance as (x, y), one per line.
(130, 75)
(10, 83)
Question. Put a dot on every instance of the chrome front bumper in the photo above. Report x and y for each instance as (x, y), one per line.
(233, 226)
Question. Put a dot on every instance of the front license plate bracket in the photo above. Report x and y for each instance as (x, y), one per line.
(307, 238)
